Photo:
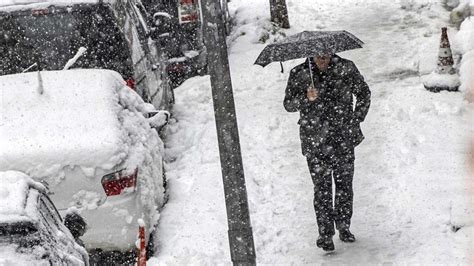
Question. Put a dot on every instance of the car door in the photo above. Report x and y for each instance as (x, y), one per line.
(160, 94)
(127, 21)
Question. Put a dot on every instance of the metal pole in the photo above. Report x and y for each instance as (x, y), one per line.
(240, 234)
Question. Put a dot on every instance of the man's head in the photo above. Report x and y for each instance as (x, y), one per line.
(322, 61)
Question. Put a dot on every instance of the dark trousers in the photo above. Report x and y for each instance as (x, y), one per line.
(339, 166)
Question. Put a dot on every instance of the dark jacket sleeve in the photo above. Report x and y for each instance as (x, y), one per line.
(295, 98)
(362, 93)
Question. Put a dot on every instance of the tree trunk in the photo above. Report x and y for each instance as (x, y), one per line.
(279, 13)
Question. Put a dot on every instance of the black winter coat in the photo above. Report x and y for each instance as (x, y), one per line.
(329, 124)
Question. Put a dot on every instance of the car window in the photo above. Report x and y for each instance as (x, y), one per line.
(142, 19)
(54, 212)
(52, 38)
(46, 212)
(17, 228)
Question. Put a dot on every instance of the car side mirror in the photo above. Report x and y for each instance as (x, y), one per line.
(158, 119)
(76, 224)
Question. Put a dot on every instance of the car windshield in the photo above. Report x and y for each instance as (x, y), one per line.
(51, 37)
(17, 229)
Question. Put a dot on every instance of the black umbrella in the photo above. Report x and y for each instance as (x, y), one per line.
(308, 44)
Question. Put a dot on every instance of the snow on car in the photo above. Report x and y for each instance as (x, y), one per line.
(86, 135)
(31, 230)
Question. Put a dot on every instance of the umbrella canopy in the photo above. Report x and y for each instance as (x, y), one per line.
(308, 44)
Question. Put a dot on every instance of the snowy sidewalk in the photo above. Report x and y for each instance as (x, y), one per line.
(411, 180)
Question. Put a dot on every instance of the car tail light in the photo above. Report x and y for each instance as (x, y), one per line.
(177, 67)
(188, 11)
(116, 183)
(39, 12)
(131, 83)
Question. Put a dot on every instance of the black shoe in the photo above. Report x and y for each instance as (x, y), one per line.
(325, 243)
(346, 236)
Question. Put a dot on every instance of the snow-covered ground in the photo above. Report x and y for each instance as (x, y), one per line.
(412, 198)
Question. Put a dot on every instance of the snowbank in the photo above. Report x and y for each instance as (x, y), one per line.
(253, 22)
(435, 80)
(464, 40)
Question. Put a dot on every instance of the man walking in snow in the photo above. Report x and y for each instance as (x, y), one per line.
(322, 90)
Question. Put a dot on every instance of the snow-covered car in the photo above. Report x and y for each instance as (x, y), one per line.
(45, 34)
(177, 25)
(87, 135)
(31, 229)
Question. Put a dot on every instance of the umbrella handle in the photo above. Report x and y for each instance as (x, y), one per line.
(282, 70)
(310, 72)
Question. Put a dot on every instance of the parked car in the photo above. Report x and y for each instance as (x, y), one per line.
(46, 34)
(85, 133)
(31, 229)
(179, 23)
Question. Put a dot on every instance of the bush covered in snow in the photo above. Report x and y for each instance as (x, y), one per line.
(258, 28)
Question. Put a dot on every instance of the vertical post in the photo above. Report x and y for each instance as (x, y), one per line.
(279, 13)
(142, 248)
(241, 243)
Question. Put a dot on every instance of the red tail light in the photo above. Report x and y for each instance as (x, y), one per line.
(177, 67)
(40, 12)
(131, 83)
(115, 183)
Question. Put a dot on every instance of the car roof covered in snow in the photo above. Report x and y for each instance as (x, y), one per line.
(17, 200)
(11, 5)
(73, 122)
